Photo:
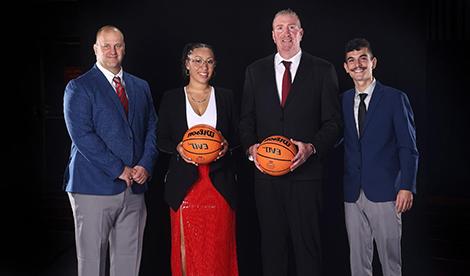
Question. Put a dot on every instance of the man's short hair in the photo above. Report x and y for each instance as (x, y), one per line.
(358, 44)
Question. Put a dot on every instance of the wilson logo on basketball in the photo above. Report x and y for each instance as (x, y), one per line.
(275, 154)
(202, 143)
(202, 132)
(281, 139)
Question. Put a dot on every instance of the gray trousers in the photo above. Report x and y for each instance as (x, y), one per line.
(367, 221)
(117, 219)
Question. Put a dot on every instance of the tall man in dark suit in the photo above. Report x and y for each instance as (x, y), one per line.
(381, 161)
(111, 121)
(289, 205)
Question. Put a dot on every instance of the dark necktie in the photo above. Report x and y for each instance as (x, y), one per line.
(361, 115)
(121, 93)
(286, 82)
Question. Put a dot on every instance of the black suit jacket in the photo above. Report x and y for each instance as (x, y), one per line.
(172, 125)
(311, 113)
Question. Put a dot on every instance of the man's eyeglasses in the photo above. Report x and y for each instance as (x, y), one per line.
(199, 62)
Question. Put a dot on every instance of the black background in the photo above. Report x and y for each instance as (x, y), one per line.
(422, 49)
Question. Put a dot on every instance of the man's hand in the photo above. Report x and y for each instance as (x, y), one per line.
(252, 153)
(305, 150)
(404, 201)
(127, 175)
(140, 175)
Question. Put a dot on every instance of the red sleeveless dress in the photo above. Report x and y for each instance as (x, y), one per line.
(208, 225)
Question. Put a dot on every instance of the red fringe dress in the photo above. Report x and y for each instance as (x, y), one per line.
(208, 224)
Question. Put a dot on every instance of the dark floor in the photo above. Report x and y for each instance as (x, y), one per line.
(435, 240)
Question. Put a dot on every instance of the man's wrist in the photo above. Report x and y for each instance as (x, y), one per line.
(313, 148)
(250, 152)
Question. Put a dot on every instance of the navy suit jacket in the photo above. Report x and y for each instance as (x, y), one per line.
(385, 159)
(104, 139)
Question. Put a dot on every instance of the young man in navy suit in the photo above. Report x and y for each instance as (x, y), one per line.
(111, 121)
(289, 205)
(380, 160)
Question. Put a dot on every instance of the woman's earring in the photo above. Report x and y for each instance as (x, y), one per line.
(187, 72)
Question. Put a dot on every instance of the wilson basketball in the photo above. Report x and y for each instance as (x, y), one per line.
(275, 155)
(201, 143)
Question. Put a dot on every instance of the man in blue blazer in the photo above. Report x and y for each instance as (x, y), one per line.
(111, 121)
(380, 160)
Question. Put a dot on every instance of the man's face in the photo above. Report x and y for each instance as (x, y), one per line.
(287, 34)
(359, 65)
(109, 50)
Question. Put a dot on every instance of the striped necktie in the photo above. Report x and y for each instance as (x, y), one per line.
(121, 93)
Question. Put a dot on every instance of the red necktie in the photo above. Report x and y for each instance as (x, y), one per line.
(286, 82)
(121, 93)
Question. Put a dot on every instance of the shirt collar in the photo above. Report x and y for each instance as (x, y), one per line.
(369, 90)
(108, 74)
(295, 59)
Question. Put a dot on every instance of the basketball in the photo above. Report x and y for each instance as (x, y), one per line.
(275, 155)
(201, 143)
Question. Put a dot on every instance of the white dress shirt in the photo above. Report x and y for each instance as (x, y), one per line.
(369, 90)
(109, 76)
(280, 68)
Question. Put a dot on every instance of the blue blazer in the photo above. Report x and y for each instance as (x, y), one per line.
(104, 139)
(385, 159)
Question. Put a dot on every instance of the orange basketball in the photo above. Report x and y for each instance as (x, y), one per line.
(275, 155)
(201, 143)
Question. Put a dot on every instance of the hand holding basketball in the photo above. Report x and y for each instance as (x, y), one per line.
(252, 150)
(305, 150)
(224, 146)
(274, 155)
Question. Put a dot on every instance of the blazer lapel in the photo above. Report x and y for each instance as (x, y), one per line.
(374, 102)
(268, 78)
(110, 91)
(271, 86)
(219, 107)
(298, 80)
(181, 106)
(350, 120)
(131, 95)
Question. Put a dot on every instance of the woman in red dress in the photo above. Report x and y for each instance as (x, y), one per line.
(201, 197)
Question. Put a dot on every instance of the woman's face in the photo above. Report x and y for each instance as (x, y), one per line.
(200, 65)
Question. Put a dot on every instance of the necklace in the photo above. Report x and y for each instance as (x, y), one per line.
(198, 101)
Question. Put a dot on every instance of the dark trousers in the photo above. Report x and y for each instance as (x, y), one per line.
(289, 210)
